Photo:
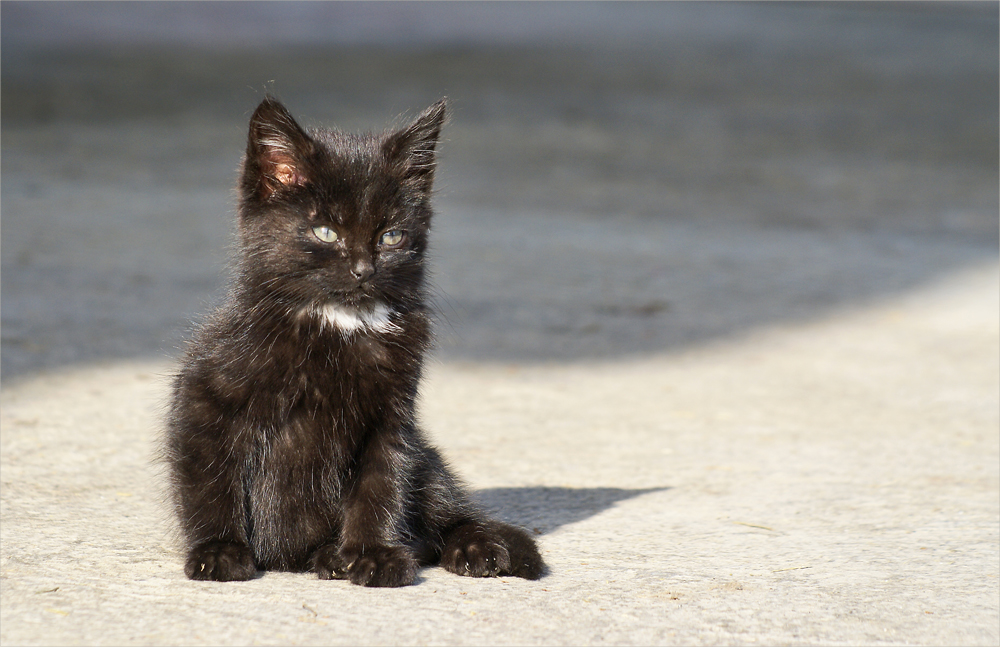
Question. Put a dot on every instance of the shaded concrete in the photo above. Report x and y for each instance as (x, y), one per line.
(769, 123)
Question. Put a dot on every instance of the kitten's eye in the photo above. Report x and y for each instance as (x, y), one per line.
(393, 238)
(324, 233)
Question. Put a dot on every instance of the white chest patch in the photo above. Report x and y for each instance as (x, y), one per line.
(352, 320)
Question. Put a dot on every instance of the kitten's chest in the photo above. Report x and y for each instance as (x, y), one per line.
(348, 372)
(333, 386)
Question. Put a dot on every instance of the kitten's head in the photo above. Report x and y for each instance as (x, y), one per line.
(333, 219)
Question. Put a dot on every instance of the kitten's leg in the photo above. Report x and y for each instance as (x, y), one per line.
(208, 493)
(371, 551)
(459, 535)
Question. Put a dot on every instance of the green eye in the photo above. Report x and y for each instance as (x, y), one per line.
(324, 233)
(393, 238)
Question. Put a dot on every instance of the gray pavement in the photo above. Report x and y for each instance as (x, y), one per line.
(719, 296)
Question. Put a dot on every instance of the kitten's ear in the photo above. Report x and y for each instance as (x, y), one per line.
(413, 147)
(278, 151)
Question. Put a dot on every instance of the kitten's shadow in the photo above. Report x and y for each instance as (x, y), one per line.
(543, 509)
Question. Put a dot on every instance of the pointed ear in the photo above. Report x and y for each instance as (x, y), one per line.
(413, 147)
(278, 151)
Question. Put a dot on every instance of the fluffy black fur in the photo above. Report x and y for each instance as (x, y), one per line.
(292, 442)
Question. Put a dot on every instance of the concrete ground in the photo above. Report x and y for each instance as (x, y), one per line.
(719, 295)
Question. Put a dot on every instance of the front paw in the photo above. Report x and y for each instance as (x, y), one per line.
(375, 566)
(328, 564)
(222, 561)
(474, 551)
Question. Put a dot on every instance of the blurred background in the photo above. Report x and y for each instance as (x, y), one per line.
(617, 179)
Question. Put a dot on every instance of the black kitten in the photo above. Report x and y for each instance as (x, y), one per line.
(292, 440)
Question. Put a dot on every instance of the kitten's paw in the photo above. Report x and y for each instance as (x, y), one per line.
(328, 563)
(490, 549)
(471, 549)
(379, 565)
(222, 561)
(525, 560)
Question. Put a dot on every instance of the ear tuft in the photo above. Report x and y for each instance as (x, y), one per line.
(278, 150)
(414, 147)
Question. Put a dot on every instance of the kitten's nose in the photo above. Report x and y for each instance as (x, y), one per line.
(362, 270)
